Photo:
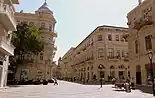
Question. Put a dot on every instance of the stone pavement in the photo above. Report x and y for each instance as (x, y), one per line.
(68, 90)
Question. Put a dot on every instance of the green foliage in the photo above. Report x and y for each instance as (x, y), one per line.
(26, 40)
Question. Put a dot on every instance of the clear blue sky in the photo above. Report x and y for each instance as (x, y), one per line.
(77, 18)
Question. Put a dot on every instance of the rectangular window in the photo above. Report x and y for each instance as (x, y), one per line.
(136, 46)
(109, 37)
(117, 37)
(41, 56)
(99, 38)
(50, 28)
(125, 39)
(148, 42)
(110, 52)
(122, 39)
(42, 25)
(118, 54)
(100, 52)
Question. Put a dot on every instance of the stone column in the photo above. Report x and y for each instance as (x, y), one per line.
(4, 72)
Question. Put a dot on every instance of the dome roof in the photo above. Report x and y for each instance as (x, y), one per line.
(44, 8)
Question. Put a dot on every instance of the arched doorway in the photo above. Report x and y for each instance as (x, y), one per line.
(24, 76)
(101, 71)
(112, 72)
(138, 75)
(121, 72)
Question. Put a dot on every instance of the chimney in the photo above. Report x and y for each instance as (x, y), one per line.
(139, 1)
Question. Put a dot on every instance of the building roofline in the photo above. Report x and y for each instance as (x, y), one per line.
(72, 48)
(142, 3)
(96, 29)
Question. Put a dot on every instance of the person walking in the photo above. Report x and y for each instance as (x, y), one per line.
(132, 83)
(55, 81)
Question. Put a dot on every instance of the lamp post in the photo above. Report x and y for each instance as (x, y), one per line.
(83, 69)
(150, 55)
(126, 73)
(100, 67)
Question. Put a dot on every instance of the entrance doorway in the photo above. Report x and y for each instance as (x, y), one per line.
(138, 75)
(102, 74)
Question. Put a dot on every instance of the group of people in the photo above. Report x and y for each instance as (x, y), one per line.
(128, 84)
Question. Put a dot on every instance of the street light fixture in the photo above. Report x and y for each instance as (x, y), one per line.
(150, 55)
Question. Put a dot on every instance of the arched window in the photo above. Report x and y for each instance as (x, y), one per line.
(112, 67)
(101, 66)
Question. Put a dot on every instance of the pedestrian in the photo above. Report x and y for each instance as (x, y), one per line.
(132, 83)
(127, 86)
(87, 80)
(55, 81)
(113, 80)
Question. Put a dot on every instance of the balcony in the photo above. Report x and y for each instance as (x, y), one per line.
(6, 47)
(145, 20)
(7, 16)
(46, 30)
(114, 58)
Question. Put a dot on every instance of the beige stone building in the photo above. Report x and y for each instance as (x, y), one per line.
(104, 47)
(41, 64)
(7, 25)
(141, 22)
(64, 65)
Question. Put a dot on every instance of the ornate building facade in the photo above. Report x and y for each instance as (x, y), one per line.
(7, 25)
(102, 54)
(141, 22)
(41, 65)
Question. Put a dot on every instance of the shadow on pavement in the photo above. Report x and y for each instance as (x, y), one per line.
(14, 85)
(145, 89)
(119, 90)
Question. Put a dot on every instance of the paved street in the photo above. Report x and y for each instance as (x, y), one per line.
(68, 90)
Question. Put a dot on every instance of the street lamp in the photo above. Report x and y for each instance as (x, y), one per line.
(126, 73)
(150, 55)
(100, 67)
(84, 75)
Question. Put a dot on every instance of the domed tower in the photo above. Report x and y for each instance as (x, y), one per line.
(47, 29)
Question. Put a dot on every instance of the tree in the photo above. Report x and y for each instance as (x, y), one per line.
(26, 40)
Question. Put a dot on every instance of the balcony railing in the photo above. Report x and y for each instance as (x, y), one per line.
(42, 29)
